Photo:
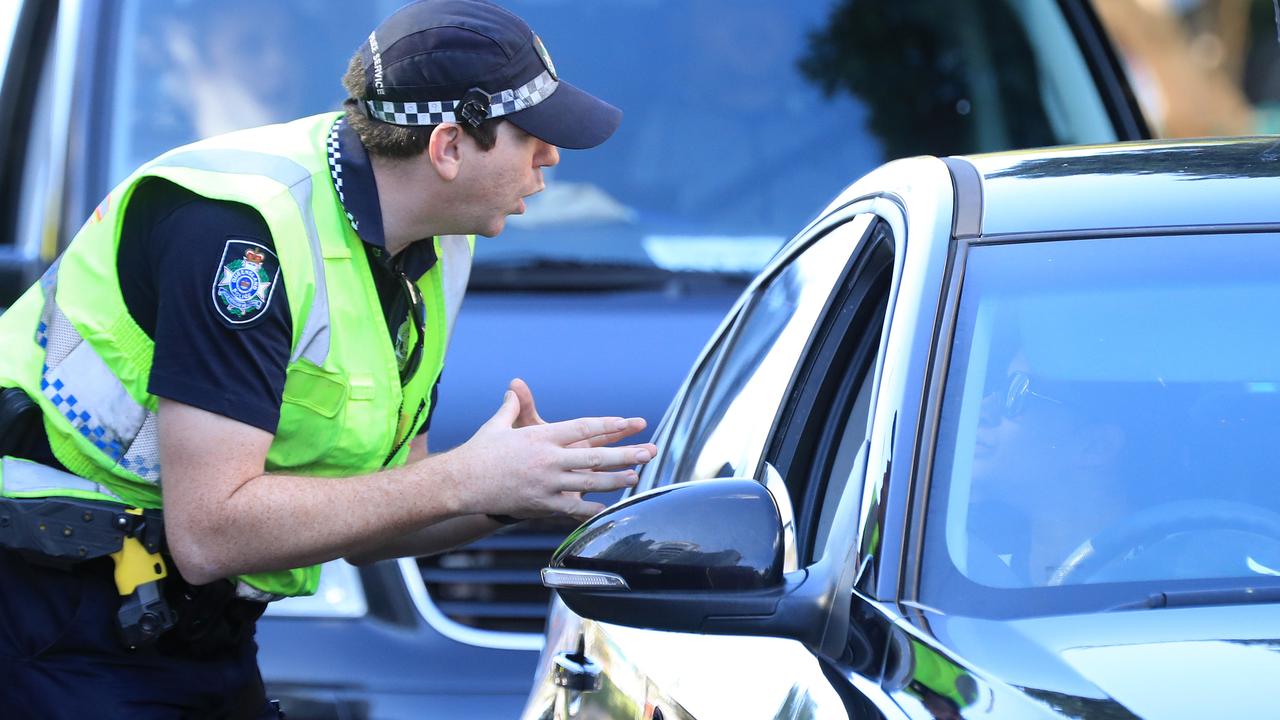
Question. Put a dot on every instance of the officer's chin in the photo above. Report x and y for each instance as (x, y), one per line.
(493, 229)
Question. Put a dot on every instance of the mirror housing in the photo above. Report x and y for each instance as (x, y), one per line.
(705, 557)
(702, 536)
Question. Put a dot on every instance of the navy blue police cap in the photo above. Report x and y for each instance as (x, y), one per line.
(464, 61)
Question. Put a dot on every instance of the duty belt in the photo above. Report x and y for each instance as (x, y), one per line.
(65, 531)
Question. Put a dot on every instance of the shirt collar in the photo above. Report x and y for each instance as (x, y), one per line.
(357, 188)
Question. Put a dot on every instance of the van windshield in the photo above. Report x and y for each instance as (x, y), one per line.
(1097, 446)
(742, 118)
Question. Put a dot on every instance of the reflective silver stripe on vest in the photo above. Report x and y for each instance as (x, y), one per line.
(455, 251)
(24, 476)
(314, 343)
(81, 387)
(80, 384)
(245, 591)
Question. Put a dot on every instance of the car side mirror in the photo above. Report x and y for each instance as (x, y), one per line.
(700, 536)
(706, 556)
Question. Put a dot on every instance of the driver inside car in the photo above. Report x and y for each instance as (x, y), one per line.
(1046, 475)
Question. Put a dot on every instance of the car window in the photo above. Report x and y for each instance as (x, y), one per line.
(735, 417)
(1096, 444)
(671, 444)
(818, 444)
(742, 117)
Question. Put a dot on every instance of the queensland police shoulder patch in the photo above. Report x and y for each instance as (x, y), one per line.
(245, 281)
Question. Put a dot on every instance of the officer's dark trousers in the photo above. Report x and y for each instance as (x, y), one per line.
(60, 656)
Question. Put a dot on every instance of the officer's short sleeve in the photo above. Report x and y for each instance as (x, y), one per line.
(201, 277)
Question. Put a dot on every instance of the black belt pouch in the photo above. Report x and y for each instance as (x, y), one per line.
(20, 423)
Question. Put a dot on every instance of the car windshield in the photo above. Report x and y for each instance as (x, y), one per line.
(1098, 442)
(741, 117)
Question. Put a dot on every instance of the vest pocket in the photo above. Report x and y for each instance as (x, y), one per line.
(312, 412)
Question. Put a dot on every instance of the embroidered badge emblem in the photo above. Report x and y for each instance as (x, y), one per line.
(243, 286)
(546, 56)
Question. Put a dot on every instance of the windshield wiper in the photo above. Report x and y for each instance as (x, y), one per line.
(1212, 596)
(569, 274)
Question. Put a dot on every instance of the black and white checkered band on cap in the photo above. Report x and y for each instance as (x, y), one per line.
(435, 112)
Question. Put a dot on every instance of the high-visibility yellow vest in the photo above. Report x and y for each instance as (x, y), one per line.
(70, 342)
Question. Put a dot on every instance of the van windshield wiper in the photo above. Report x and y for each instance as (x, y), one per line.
(1211, 596)
(571, 274)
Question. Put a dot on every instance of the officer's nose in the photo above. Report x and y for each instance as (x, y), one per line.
(547, 156)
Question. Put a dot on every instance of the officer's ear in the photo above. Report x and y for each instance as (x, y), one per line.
(444, 151)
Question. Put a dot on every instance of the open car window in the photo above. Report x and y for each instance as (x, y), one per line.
(728, 437)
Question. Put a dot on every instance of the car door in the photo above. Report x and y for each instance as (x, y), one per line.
(829, 299)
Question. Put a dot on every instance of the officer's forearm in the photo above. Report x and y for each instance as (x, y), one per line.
(429, 540)
(225, 517)
(276, 522)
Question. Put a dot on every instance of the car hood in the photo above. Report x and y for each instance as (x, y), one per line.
(1181, 662)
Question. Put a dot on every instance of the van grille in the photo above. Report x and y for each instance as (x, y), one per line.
(496, 583)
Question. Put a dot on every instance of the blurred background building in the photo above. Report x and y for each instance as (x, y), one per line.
(1200, 67)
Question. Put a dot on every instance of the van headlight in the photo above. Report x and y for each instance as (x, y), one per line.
(340, 595)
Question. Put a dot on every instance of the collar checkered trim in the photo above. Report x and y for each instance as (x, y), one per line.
(439, 111)
(335, 170)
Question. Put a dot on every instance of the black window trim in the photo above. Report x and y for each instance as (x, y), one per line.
(930, 420)
(805, 443)
(1126, 232)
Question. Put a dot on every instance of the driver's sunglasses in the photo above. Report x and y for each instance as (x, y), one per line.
(414, 359)
(1017, 392)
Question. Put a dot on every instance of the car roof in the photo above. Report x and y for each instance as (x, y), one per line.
(1131, 185)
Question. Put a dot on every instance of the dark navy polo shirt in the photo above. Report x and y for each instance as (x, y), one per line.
(218, 346)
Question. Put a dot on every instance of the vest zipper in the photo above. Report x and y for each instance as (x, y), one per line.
(409, 431)
(397, 264)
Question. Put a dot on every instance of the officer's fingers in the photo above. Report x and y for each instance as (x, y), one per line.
(567, 432)
(634, 425)
(508, 412)
(630, 460)
(598, 441)
(580, 509)
(604, 457)
(528, 410)
(590, 482)
(640, 455)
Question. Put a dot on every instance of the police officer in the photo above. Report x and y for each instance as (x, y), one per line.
(248, 334)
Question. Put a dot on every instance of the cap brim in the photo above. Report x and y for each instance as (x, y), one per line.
(570, 118)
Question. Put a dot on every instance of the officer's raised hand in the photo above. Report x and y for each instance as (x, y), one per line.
(517, 464)
(529, 416)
